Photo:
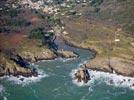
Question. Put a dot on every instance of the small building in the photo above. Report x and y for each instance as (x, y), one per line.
(117, 40)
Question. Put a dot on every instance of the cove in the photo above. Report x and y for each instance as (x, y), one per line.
(58, 83)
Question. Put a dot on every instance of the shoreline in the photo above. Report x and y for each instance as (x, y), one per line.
(17, 69)
(13, 66)
(71, 44)
(103, 67)
(111, 79)
(22, 80)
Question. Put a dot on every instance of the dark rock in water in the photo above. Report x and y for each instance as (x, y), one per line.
(111, 82)
(35, 74)
(22, 79)
(121, 82)
(87, 74)
(2, 74)
(133, 84)
(129, 80)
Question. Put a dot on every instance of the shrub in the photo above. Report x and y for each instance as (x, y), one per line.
(36, 33)
(96, 2)
(129, 28)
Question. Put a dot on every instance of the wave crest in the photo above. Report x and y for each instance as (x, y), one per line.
(109, 78)
(26, 80)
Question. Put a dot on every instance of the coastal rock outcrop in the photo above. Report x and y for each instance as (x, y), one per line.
(99, 64)
(118, 65)
(16, 63)
(46, 55)
(82, 75)
(122, 66)
(66, 54)
(9, 67)
(36, 56)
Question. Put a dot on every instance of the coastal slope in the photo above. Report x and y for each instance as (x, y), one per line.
(107, 37)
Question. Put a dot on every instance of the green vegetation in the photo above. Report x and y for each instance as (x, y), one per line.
(100, 37)
(34, 0)
(96, 2)
(53, 21)
(121, 0)
(20, 22)
(9, 12)
(129, 28)
(13, 12)
(114, 11)
(36, 33)
(47, 38)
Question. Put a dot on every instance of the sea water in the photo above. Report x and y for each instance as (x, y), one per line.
(56, 82)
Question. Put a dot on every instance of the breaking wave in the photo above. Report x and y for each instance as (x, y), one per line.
(2, 88)
(109, 78)
(26, 80)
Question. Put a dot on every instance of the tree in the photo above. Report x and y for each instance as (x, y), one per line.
(36, 33)
(47, 38)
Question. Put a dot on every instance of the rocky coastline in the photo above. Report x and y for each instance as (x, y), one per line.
(69, 42)
(33, 53)
(18, 63)
(9, 67)
(114, 65)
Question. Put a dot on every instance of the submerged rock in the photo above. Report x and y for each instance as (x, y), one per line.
(22, 79)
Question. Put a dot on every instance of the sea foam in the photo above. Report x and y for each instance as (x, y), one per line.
(109, 78)
(65, 59)
(26, 80)
(2, 88)
(5, 98)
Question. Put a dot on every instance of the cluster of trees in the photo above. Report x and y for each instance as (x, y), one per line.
(47, 38)
(53, 21)
(95, 4)
(58, 1)
(129, 28)
(36, 33)
(7, 9)
(8, 16)
(34, 0)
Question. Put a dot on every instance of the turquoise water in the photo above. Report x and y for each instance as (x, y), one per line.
(58, 84)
